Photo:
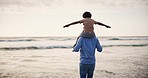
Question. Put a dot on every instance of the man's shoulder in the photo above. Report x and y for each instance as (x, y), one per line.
(80, 38)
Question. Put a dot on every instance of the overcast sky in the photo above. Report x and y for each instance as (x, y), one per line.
(47, 17)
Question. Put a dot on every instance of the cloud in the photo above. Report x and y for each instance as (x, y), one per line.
(125, 3)
(118, 4)
(24, 5)
(27, 5)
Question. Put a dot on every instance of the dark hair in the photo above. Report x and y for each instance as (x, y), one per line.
(86, 15)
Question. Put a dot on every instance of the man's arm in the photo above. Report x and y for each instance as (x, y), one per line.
(98, 46)
(76, 22)
(102, 24)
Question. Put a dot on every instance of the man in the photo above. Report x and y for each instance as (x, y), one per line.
(87, 48)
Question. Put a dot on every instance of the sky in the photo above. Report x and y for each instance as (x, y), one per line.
(47, 17)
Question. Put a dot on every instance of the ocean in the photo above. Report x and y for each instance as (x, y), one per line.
(33, 43)
(52, 57)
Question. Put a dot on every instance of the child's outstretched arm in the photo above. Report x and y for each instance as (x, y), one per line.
(76, 22)
(102, 24)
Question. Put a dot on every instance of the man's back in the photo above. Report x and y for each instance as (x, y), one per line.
(87, 48)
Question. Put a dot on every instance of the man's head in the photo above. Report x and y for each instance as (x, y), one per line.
(86, 15)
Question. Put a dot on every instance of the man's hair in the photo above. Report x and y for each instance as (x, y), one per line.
(86, 15)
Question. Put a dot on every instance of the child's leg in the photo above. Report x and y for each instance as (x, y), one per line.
(88, 34)
(76, 41)
(85, 35)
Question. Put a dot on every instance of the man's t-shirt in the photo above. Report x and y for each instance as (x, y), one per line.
(87, 48)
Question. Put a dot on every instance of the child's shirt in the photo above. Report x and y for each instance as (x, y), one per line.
(87, 49)
(88, 24)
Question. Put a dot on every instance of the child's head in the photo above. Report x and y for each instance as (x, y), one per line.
(86, 15)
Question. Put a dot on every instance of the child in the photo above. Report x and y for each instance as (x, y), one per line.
(88, 29)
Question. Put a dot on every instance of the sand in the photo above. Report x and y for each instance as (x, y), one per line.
(113, 62)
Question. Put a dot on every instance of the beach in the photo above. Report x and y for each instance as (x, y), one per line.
(60, 62)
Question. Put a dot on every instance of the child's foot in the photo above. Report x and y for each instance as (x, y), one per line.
(74, 45)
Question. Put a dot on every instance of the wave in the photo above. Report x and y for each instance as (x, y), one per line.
(126, 45)
(16, 40)
(29, 39)
(33, 47)
(61, 38)
(128, 39)
(66, 47)
(38, 39)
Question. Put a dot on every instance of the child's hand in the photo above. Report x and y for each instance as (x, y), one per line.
(108, 27)
(65, 26)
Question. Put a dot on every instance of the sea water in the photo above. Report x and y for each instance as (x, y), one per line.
(33, 43)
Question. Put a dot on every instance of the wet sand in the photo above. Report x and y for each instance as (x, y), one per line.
(113, 62)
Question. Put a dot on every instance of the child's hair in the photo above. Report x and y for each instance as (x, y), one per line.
(86, 15)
